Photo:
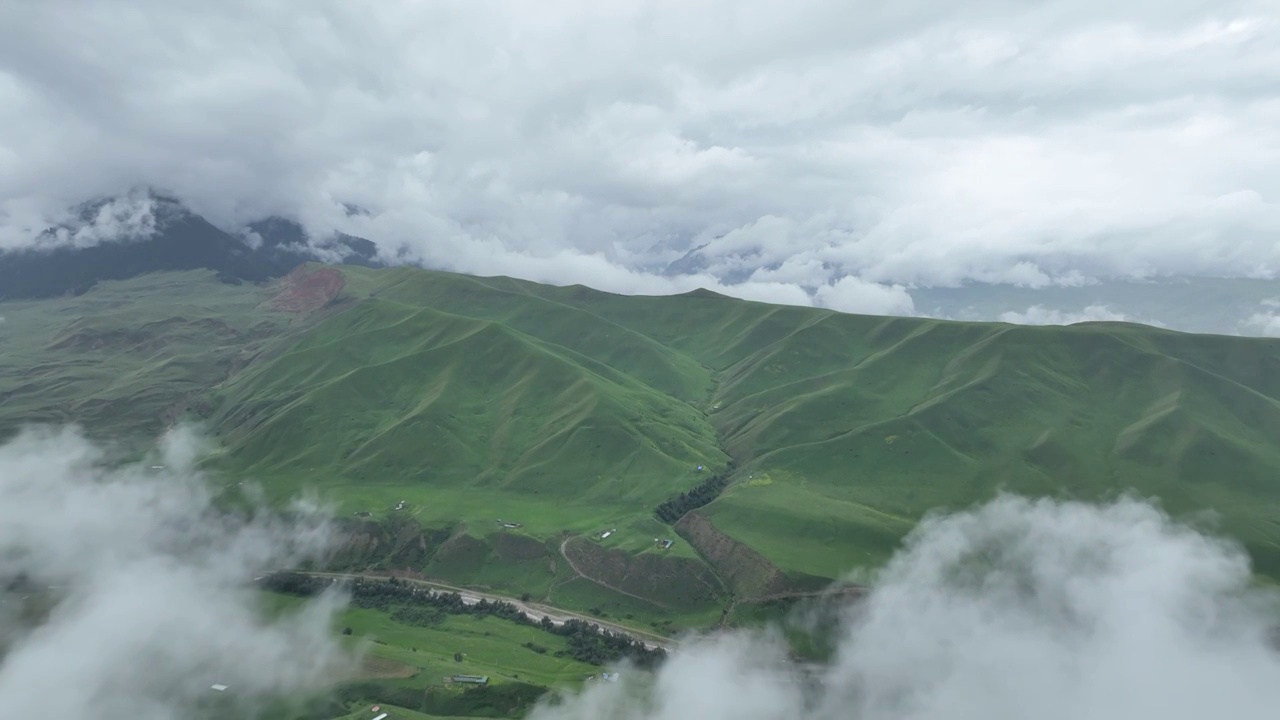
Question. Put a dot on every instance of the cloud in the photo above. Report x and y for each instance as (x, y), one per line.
(155, 606)
(923, 144)
(1266, 324)
(1016, 609)
(854, 295)
(128, 217)
(1039, 315)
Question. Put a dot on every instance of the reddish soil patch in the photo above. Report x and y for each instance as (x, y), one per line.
(306, 289)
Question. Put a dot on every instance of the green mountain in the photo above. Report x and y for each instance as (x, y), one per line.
(513, 424)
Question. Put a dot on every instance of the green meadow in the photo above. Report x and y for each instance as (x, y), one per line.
(429, 408)
(404, 667)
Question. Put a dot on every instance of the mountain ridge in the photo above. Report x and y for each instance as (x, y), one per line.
(465, 405)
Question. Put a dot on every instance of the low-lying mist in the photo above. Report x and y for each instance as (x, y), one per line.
(1018, 610)
(151, 580)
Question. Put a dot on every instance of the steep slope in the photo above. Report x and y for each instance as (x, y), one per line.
(565, 412)
(520, 305)
(386, 392)
(850, 427)
(948, 416)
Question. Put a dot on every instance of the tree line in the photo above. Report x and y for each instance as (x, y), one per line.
(416, 605)
(702, 494)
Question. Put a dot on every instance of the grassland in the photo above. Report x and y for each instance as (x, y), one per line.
(130, 356)
(571, 412)
(404, 665)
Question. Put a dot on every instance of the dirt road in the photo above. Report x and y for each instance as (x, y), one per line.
(537, 611)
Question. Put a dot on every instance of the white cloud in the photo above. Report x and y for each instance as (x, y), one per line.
(1266, 324)
(1018, 609)
(155, 605)
(1038, 315)
(854, 295)
(1038, 144)
(127, 217)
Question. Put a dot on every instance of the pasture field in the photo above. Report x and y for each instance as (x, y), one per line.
(405, 663)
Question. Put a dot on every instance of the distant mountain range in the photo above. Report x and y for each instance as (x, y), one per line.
(1217, 305)
(126, 236)
(157, 233)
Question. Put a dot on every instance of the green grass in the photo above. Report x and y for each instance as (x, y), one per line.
(406, 660)
(816, 527)
(573, 411)
(448, 401)
(123, 359)
(490, 646)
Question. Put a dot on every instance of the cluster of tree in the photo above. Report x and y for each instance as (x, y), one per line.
(594, 645)
(703, 493)
(405, 601)
(413, 605)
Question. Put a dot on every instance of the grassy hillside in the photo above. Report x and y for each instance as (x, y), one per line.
(425, 396)
(568, 413)
(129, 356)
(847, 428)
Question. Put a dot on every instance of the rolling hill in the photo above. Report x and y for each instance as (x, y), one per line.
(490, 431)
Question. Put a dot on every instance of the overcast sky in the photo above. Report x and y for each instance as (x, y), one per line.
(826, 151)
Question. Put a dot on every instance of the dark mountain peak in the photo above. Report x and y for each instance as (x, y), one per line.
(144, 231)
(353, 210)
(282, 237)
(134, 216)
(276, 231)
(690, 263)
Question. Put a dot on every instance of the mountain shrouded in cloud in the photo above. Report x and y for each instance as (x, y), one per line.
(769, 149)
(125, 236)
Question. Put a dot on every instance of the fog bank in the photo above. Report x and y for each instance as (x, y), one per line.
(155, 605)
(1019, 609)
